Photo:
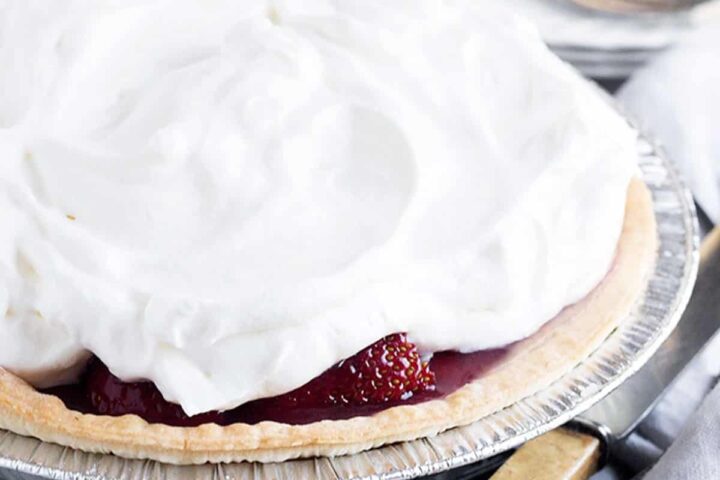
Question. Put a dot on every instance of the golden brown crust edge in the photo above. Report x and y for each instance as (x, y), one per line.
(540, 359)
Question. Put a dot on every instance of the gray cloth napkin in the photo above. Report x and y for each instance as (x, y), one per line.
(695, 453)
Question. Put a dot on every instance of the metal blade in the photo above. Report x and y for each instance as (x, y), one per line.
(623, 409)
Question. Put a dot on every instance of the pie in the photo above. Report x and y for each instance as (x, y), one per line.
(256, 232)
(540, 359)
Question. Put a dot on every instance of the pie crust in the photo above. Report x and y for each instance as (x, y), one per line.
(529, 366)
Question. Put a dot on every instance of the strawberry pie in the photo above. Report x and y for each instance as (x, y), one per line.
(257, 230)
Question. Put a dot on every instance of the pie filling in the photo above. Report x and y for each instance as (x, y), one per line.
(386, 374)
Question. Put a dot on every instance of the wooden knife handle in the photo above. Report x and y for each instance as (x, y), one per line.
(560, 454)
(710, 246)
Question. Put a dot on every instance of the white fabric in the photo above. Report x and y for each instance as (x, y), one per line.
(677, 100)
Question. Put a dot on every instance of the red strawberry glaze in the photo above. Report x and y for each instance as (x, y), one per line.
(349, 389)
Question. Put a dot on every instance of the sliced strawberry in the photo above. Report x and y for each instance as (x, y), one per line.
(388, 370)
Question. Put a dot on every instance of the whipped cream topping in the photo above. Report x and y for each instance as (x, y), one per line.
(229, 197)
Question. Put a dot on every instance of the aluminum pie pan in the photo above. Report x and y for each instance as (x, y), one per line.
(623, 352)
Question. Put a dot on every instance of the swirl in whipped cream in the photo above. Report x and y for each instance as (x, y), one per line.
(229, 197)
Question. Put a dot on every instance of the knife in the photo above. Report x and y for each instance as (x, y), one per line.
(576, 451)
